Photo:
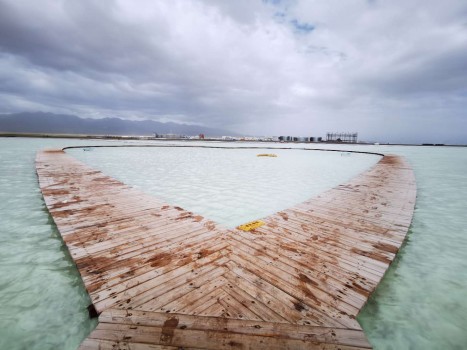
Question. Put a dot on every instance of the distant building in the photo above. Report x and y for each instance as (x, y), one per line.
(347, 137)
(299, 139)
(267, 139)
(250, 138)
(170, 136)
(228, 138)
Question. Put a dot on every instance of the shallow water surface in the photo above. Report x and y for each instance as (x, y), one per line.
(42, 298)
(422, 301)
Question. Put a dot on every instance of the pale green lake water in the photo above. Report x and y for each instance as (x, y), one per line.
(420, 304)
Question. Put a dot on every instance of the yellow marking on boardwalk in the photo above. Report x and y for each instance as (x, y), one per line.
(267, 155)
(163, 277)
(251, 225)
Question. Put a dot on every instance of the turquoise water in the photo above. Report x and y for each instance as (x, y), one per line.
(421, 303)
(42, 298)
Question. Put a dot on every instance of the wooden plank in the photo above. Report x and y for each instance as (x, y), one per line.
(328, 285)
(361, 222)
(255, 305)
(235, 309)
(189, 294)
(324, 262)
(112, 249)
(151, 220)
(378, 259)
(215, 310)
(299, 332)
(99, 344)
(308, 301)
(161, 260)
(309, 225)
(267, 295)
(374, 266)
(301, 257)
(205, 339)
(178, 298)
(134, 294)
(203, 303)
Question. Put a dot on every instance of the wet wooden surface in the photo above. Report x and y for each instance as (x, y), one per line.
(162, 277)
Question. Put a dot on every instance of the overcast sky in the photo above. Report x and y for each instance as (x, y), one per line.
(394, 70)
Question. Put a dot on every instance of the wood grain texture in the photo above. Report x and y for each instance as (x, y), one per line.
(162, 277)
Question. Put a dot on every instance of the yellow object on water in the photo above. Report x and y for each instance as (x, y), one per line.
(251, 225)
(267, 155)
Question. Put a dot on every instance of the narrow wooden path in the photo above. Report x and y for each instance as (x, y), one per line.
(162, 277)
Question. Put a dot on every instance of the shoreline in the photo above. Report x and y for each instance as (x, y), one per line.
(151, 138)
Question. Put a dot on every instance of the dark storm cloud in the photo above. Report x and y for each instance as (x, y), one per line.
(77, 36)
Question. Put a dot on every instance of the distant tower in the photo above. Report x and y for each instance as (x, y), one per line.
(348, 137)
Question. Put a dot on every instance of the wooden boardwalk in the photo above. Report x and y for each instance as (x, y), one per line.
(161, 277)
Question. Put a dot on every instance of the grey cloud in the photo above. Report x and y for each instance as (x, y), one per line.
(444, 73)
(83, 37)
(235, 64)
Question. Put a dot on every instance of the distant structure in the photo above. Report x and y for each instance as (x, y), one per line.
(169, 136)
(228, 138)
(300, 139)
(347, 137)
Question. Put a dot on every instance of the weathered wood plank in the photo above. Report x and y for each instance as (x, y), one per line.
(329, 285)
(187, 294)
(99, 344)
(257, 307)
(160, 260)
(304, 299)
(303, 258)
(286, 330)
(317, 260)
(190, 294)
(235, 309)
(133, 294)
(205, 339)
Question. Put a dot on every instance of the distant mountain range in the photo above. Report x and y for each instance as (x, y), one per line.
(49, 123)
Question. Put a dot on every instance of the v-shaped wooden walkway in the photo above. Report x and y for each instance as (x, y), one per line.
(162, 277)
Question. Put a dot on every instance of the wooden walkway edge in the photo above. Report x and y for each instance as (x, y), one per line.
(161, 277)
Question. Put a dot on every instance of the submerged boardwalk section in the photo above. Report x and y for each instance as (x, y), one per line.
(161, 277)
